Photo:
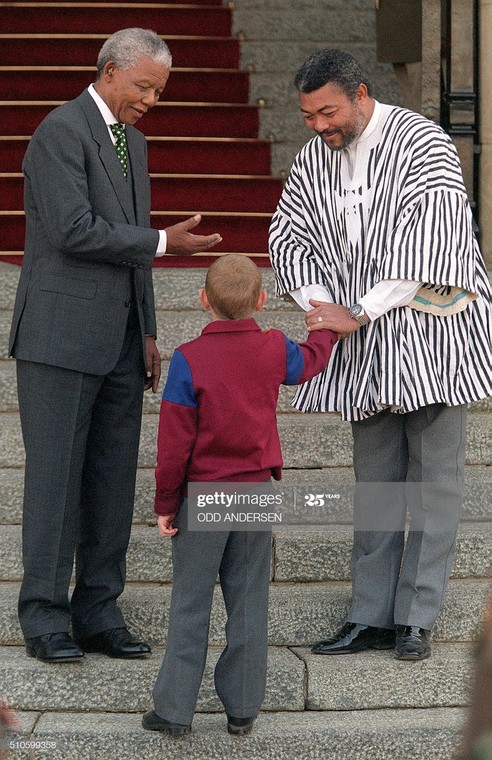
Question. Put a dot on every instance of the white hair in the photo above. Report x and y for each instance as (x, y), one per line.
(127, 46)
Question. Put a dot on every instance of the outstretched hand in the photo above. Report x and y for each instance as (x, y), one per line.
(182, 242)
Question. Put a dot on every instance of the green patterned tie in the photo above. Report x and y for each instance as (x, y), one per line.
(120, 136)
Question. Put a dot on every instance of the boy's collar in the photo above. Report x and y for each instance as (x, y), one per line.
(231, 325)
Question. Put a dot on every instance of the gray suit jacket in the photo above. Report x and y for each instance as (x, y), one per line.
(87, 237)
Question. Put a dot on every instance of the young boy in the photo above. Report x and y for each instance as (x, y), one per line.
(218, 423)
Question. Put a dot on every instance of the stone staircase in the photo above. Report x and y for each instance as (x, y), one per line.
(363, 707)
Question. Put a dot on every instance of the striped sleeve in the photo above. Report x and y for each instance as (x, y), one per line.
(294, 232)
(432, 243)
(433, 239)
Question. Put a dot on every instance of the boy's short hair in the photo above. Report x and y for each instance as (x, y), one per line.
(233, 286)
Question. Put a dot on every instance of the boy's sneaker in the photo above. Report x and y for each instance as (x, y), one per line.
(239, 726)
(153, 722)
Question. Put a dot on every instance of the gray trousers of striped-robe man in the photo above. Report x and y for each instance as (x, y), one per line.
(242, 560)
(396, 583)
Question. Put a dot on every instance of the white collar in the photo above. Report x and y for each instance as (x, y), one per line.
(108, 117)
(371, 125)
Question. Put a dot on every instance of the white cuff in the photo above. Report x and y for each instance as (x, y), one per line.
(388, 294)
(162, 245)
(303, 294)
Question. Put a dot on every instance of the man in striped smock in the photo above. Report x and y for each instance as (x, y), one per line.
(373, 237)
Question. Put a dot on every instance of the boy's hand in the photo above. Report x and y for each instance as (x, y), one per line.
(8, 719)
(165, 525)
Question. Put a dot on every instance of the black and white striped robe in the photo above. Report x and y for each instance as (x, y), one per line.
(407, 204)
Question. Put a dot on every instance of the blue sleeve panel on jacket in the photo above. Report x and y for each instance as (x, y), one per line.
(294, 362)
(179, 385)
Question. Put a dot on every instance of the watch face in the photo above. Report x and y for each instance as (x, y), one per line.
(356, 309)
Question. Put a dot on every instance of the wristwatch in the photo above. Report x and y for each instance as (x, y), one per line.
(356, 311)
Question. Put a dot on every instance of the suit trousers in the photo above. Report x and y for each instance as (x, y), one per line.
(81, 436)
(396, 583)
(242, 560)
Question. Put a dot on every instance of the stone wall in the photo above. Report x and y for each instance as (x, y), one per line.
(278, 37)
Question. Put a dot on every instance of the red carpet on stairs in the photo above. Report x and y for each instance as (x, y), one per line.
(67, 82)
(82, 50)
(106, 18)
(204, 151)
(178, 155)
(184, 119)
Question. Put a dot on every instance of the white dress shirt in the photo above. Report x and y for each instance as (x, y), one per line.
(386, 295)
(109, 119)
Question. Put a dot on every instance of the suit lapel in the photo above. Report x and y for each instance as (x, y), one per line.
(140, 173)
(107, 155)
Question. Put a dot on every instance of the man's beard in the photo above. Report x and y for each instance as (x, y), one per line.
(349, 136)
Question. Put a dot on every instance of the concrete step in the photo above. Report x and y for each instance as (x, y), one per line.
(477, 503)
(180, 318)
(9, 277)
(100, 684)
(314, 441)
(422, 734)
(174, 289)
(176, 328)
(298, 555)
(308, 441)
(375, 680)
(152, 401)
(299, 615)
(369, 680)
(278, 21)
(303, 556)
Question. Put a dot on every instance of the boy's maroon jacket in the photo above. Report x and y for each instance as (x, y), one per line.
(218, 412)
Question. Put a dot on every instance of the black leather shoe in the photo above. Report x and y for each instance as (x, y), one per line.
(54, 647)
(239, 726)
(153, 722)
(412, 643)
(115, 642)
(354, 637)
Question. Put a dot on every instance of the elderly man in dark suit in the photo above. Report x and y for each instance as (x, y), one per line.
(83, 335)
